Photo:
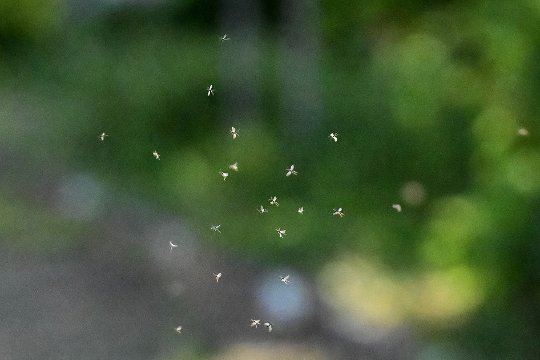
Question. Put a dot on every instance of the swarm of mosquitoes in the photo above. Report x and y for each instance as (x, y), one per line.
(273, 200)
(210, 91)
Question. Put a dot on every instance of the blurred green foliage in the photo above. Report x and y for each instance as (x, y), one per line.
(24, 20)
(423, 91)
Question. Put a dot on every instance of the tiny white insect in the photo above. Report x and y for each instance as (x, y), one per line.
(523, 132)
(234, 166)
(301, 210)
(178, 329)
(156, 155)
(291, 171)
(281, 232)
(103, 136)
(269, 326)
(339, 212)
(217, 276)
(172, 245)
(285, 279)
(273, 201)
(210, 90)
(333, 136)
(397, 207)
(262, 210)
(216, 228)
(255, 323)
(225, 38)
(234, 132)
(224, 175)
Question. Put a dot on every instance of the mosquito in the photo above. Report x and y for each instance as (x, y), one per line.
(273, 201)
(224, 175)
(224, 38)
(215, 228)
(210, 90)
(255, 323)
(397, 207)
(339, 212)
(285, 279)
(301, 210)
(156, 155)
(234, 132)
(333, 136)
(103, 136)
(269, 326)
(291, 171)
(234, 166)
(172, 245)
(281, 232)
(262, 210)
(178, 329)
(217, 276)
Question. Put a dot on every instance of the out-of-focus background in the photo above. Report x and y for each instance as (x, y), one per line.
(436, 107)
